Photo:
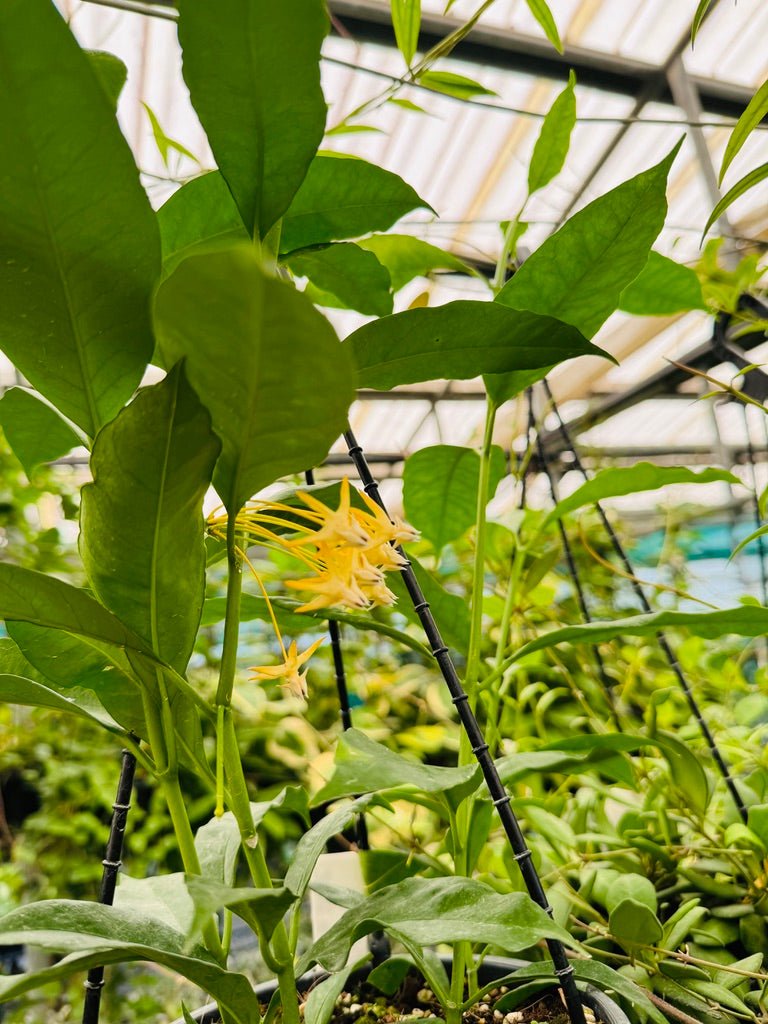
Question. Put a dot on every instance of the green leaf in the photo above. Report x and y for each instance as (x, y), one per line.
(264, 362)
(743, 185)
(255, 84)
(30, 596)
(343, 197)
(99, 936)
(761, 532)
(34, 430)
(313, 843)
(643, 476)
(447, 82)
(406, 21)
(164, 142)
(631, 922)
(110, 71)
(460, 340)
(756, 110)
(450, 610)
(75, 668)
(600, 975)
(440, 490)
(757, 819)
(321, 1001)
(686, 771)
(541, 12)
(631, 886)
(745, 620)
(363, 766)
(141, 535)
(406, 257)
(27, 692)
(501, 387)
(351, 276)
(79, 249)
(201, 215)
(554, 139)
(662, 288)
(425, 912)
(515, 767)
(579, 273)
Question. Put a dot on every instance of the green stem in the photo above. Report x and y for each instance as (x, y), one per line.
(231, 618)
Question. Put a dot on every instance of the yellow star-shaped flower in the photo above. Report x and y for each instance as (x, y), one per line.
(288, 670)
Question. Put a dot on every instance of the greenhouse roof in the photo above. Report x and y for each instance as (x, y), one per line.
(640, 86)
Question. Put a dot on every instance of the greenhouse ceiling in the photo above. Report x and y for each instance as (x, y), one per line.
(640, 86)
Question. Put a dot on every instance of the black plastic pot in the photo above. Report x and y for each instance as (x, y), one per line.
(493, 967)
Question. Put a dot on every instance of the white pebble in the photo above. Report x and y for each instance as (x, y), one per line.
(355, 1008)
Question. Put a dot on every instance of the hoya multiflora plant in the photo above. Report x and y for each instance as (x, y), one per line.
(94, 286)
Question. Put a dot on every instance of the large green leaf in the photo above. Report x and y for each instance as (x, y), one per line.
(264, 362)
(554, 139)
(662, 288)
(351, 277)
(27, 692)
(202, 214)
(341, 198)
(29, 596)
(100, 935)
(363, 766)
(450, 610)
(643, 476)
(460, 340)
(79, 249)
(406, 257)
(141, 534)
(440, 490)
(425, 912)
(70, 664)
(745, 620)
(34, 430)
(255, 84)
(578, 274)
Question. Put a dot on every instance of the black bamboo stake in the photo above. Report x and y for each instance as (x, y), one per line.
(605, 680)
(122, 805)
(664, 644)
(756, 505)
(499, 796)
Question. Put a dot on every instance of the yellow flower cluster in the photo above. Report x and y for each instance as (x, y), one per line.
(347, 549)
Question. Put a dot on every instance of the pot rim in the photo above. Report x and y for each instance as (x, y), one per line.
(606, 1009)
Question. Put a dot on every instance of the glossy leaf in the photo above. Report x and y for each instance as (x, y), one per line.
(255, 84)
(425, 912)
(72, 665)
(348, 274)
(141, 536)
(406, 21)
(643, 476)
(541, 12)
(314, 842)
(110, 71)
(744, 185)
(745, 620)
(34, 430)
(632, 922)
(579, 273)
(515, 767)
(342, 198)
(451, 84)
(631, 886)
(264, 362)
(30, 596)
(662, 288)
(99, 935)
(756, 110)
(201, 215)
(28, 693)
(406, 257)
(440, 490)
(363, 766)
(554, 139)
(460, 340)
(450, 610)
(79, 250)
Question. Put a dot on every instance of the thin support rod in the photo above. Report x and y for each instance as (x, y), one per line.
(605, 680)
(756, 505)
(664, 644)
(499, 796)
(122, 805)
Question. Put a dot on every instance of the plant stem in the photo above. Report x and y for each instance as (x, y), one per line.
(231, 618)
